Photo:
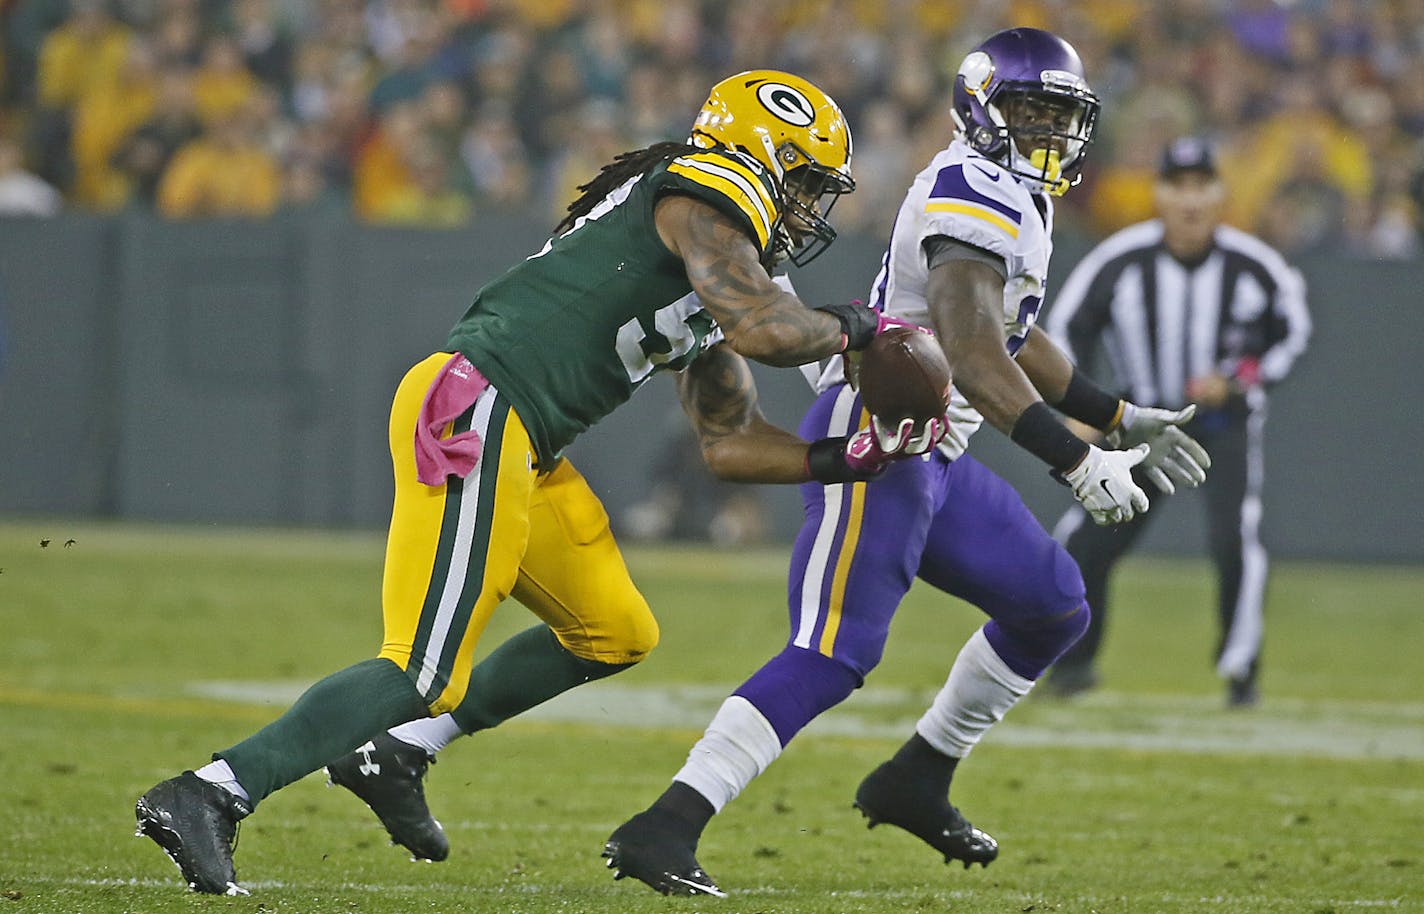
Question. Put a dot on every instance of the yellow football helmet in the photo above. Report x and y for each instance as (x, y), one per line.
(797, 132)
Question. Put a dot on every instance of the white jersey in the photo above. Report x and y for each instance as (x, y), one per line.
(964, 196)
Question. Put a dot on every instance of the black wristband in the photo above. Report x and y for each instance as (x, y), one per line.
(858, 323)
(1087, 402)
(826, 463)
(1040, 433)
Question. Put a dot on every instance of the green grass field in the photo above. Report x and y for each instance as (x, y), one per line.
(136, 651)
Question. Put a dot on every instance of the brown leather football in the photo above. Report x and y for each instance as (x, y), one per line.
(904, 374)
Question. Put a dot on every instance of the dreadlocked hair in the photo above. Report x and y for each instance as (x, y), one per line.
(615, 173)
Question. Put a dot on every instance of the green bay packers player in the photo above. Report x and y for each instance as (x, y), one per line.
(663, 263)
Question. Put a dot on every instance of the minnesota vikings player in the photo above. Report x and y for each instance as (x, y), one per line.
(968, 255)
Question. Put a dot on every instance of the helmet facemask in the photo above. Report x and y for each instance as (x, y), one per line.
(809, 190)
(1047, 135)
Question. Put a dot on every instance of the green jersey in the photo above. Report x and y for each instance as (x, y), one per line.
(570, 333)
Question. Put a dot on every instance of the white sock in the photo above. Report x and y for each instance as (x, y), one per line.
(979, 691)
(429, 733)
(220, 773)
(737, 746)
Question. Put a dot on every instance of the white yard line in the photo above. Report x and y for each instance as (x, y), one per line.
(1175, 723)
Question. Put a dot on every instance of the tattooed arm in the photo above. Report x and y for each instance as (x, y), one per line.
(760, 320)
(738, 444)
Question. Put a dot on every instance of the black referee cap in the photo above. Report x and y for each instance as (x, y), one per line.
(1189, 153)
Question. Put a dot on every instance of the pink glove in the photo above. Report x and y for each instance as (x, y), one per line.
(871, 449)
(886, 322)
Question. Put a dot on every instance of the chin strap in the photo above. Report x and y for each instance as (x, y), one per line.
(776, 167)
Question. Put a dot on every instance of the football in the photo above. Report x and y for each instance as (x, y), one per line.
(904, 374)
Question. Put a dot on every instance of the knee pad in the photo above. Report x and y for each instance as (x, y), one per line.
(1030, 646)
(1070, 626)
(1044, 619)
(637, 637)
(795, 686)
(622, 638)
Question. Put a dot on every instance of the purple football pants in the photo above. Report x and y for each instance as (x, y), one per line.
(956, 525)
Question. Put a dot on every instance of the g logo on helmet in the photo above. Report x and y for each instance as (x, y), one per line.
(787, 103)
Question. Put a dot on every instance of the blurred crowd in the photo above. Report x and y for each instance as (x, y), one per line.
(427, 112)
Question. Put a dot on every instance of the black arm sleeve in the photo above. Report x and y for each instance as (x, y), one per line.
(1087, 402)
(941, 249)
(1042, 435)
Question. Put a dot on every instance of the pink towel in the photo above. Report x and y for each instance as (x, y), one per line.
(455, 389)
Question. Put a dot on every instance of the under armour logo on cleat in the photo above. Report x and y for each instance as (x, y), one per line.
(368, 767)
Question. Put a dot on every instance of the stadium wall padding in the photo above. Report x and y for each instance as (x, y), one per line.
(231, 372)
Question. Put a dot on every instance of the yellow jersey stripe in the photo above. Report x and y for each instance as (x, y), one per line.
(969, 209)
(749, 196)
(732, 167)
(836, 603)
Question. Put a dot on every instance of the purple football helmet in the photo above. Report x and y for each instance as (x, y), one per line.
(1036, 79)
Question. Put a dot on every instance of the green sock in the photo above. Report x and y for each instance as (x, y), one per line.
(528, 669)
(330, 719)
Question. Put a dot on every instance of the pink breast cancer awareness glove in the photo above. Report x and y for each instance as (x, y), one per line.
(886, 322)
(872, 448)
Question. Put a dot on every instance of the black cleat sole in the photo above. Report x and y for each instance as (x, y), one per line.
(667, 883)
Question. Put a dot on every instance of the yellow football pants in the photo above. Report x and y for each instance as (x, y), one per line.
(454, 552)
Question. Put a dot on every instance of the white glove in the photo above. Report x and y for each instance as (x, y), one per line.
(1102, 483)
(1174, 457)
(909, 438)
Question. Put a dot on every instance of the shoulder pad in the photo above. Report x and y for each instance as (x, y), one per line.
(736, 184)
(980, 192)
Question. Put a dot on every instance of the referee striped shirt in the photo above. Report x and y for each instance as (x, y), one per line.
(1164, 322)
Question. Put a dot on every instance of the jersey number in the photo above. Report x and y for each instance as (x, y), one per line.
(678, 329)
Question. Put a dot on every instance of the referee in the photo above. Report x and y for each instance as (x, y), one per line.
(1187, 310)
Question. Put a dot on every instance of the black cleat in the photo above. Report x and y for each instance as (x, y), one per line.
(1242, 693)
(389, 776)
(887, 795)
(1069, 681)
(655, 853)
(195, 823)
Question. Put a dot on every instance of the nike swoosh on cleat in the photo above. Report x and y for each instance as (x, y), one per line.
(696, 887)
